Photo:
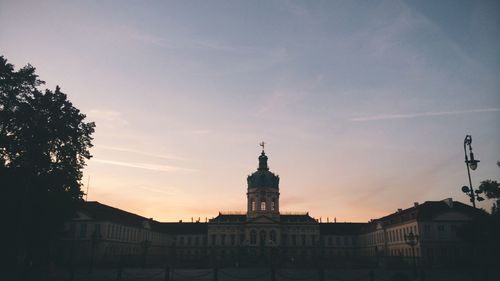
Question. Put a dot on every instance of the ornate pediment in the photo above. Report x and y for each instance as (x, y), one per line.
(263, 219)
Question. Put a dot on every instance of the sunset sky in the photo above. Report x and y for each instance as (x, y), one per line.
(364, 105)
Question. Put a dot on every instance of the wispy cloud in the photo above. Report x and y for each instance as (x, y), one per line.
(289, 92)
(249, 58)
(107, 117)
(187, 43)
(421, 114)
(196, 132)
(156, 189)
(121, 149)
(145, 166)
(153, 40)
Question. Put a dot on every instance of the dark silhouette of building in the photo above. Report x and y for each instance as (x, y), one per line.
(103, 234)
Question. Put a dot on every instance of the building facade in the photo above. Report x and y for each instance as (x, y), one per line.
(103, 234)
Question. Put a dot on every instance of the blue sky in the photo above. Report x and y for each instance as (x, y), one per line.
(364, 104)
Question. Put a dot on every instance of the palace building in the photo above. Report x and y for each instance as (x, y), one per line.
(426, 231)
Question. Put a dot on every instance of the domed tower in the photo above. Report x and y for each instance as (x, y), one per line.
(263, 191)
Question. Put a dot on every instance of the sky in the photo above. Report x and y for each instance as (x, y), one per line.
(363, 105)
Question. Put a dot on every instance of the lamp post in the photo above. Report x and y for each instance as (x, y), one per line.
(471, 164)
(412, 241)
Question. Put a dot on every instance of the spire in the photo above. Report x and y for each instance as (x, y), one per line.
(263, 159)
(263, 162)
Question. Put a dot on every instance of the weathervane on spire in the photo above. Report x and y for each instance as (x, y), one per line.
(262, 144)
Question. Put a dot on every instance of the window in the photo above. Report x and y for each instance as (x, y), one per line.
(223, 239)
(262, 204)
(189, 240)
(273, 205)
(330, 241)
(294, 240)
(253, 204)
(346, 241)
(83, 230)
(283, 239)
(253, 237)
(72, 230)
(197, 240)
(262, 237)
(242, 238)
(272, 236)
(427, 228)
(337, 241)
(303, 238)
(181, 242)
(213, 239)
(444, 252)
(440, 228)
(453, 229)
(233, 239)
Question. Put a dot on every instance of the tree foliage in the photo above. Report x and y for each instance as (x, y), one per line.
(491, 189)
(44, 143)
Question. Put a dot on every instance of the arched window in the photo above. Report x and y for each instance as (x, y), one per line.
(262, 237)
(253, 205)
(273, 205)
(263, 204)
(272, 236)
(253, 237)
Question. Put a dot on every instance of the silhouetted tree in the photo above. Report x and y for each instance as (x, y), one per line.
(491, 190)
(483, 233)
(44, 143)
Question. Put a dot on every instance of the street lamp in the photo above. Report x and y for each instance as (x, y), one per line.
(412, 241)
(471, 164)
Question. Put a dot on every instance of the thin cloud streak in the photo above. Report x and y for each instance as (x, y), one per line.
(146, 166)
(422, 114)
(196, 132)
(152, 189)
(185, 43)
(120, 149)
(107, 115)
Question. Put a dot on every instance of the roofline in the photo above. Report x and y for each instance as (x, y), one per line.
(111, 207)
